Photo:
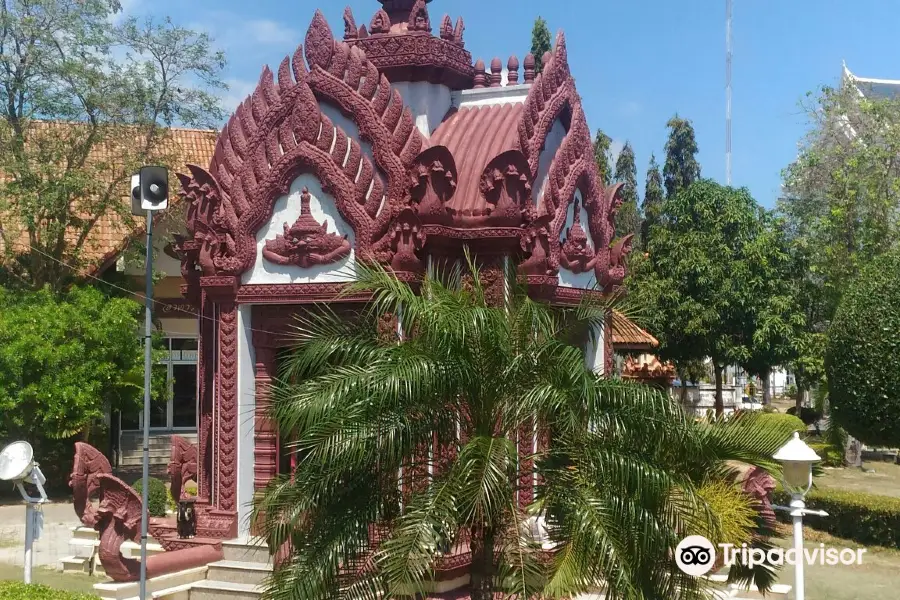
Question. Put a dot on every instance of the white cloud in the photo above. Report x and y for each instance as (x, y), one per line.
(238, 90)
(265, 31)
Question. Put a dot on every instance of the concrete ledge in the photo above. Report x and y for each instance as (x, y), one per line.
(130, 590)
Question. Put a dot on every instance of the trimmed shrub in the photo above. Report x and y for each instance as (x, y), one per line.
(864, 518)
(773, 418)
(157, 496)
(831, 456)
(15, 590)
(864, 390)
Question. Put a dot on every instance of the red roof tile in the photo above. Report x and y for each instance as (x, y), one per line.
(475, 136)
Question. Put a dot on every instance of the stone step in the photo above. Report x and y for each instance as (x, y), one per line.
(251, 550)
(235, 571)
(161, 584)
(213, 590)
(133, 549)
(76, 564)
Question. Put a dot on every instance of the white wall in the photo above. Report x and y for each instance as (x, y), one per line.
(429, 102)
(551, 146)
(596, 352)
(246, 420)
(287, 209)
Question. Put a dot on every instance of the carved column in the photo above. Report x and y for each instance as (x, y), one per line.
(227, 421)
(219, 441)
(205, 375)
(265, 438)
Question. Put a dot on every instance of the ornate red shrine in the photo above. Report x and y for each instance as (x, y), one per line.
(387, 146)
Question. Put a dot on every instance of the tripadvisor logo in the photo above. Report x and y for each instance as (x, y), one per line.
(696, 555)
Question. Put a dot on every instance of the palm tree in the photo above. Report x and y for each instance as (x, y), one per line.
(436, 413)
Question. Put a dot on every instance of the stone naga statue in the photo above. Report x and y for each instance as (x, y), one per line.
(182, 465)
(119, 519)
(89, 464)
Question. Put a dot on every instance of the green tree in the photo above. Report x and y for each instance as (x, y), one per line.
(777, 331)
(841, 204)
(628, 219)
(445, 404)
(863, 391)
(705, 280)
(681, 168)
(654, 196)
(603, 156)
(540, 43)
(84, 103)
(65, 359)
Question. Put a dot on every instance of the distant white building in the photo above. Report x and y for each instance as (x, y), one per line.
(869, 87)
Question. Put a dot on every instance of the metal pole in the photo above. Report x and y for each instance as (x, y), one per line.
(29, 540)
(797, 507)
(148, 366)
(728, 92)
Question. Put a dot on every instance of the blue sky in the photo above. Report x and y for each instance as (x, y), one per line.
(636, 62)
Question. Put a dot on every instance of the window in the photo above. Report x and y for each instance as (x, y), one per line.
(180, 410)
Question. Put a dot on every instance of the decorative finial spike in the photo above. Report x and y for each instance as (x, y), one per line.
(529, 68)
(496, 72)
(512, 67)
(480, 75)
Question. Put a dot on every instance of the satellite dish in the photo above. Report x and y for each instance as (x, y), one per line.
(16, 461)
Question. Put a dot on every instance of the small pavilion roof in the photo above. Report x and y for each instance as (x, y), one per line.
(628, 336)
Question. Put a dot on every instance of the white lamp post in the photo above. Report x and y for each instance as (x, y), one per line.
(797, 459)
(18, 466)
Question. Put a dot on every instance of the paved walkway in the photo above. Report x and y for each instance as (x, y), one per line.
(53, 544)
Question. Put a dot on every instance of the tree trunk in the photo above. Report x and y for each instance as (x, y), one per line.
(853, 452)
(482, 569)
(767, 390)
(798, 401)
(720, 405)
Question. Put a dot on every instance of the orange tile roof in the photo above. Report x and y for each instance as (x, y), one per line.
(111, 234)
(627, 335)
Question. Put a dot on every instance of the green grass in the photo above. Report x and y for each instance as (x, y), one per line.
(53, 578)
(884, 481)
(9, 541)
(877, 577)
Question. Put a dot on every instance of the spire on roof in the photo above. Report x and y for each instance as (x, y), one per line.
(398, 10)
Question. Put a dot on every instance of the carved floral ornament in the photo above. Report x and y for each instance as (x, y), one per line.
(398, 197)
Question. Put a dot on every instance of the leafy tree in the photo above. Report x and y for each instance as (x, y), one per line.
(445, 404)
(628, 219)
(540, 43)
(654, 196)
(65, 359)
(779, 323)
(681, 168)
(864, 392)
(840, 204)
(83, 104)
(603, 157)
(706, 278)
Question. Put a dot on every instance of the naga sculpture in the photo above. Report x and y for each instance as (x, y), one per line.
(119, 519)
(759, 485)
(182, 465)
(89, 464)
(306, 243)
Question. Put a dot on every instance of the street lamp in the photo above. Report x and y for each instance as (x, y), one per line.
(797, 459)
(18, 466)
